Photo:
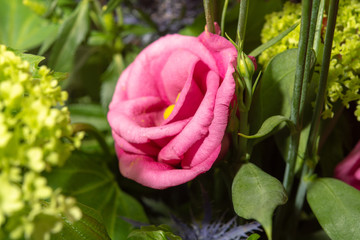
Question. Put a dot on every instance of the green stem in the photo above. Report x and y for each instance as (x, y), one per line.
(243, 12)
(320, 97)
(243, 154)
(307, 77)
(223, 15)
(296, 100)
(90, 129)
(311, 148)
(309, 56)
(317, 39)
(209, 15)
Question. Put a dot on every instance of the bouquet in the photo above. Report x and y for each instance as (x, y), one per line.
(213, 119)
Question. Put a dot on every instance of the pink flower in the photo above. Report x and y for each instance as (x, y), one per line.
(349, 169)
(170, 109)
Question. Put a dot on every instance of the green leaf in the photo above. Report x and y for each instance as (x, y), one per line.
(273, 41)
(253, 236)
(89, 227)
(88, 179)
(72, 32)
(112, 5)
(21, 28)
(256, 195)
(89, 113)
(275, 89)
(33, 60)
(336, 205)
(161, 232)
(269, 125)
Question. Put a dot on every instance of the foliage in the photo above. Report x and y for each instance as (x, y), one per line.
(59, 173)
(343, 83)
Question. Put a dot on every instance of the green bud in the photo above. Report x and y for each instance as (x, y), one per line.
(246, 66)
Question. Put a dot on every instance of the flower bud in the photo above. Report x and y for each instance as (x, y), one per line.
(247, 65)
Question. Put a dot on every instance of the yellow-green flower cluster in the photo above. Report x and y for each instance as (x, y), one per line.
(344, 72)
(35, 135)
(277, 22)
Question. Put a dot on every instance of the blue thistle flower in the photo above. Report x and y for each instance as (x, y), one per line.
(217, 230)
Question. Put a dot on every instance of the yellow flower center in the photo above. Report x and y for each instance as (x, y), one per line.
(170, 108)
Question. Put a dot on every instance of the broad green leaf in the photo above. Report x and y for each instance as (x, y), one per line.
(269, 125)
(283, 136)
(72, 32)
(336, 205)
(89, 227)
(273, 41)
(275, 89)
(88, 179)
(89, 113)
(21, 28)
(161, 232)
(256, 194)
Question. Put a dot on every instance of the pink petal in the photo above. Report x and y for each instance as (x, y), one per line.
(202, 150)
(191, 95)
(146, 171)
(348, 169)
(196, 129)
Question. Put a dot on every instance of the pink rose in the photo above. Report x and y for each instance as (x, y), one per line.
(349, 169)
(170, 109)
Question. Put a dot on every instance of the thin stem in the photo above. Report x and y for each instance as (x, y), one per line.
(320, 97)
(307, 76)
(243, 154)
(311, 148)
(243, 12)
(209, 15)
(309, 56)
(223, 15)
(317, 39)
(295, 105)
